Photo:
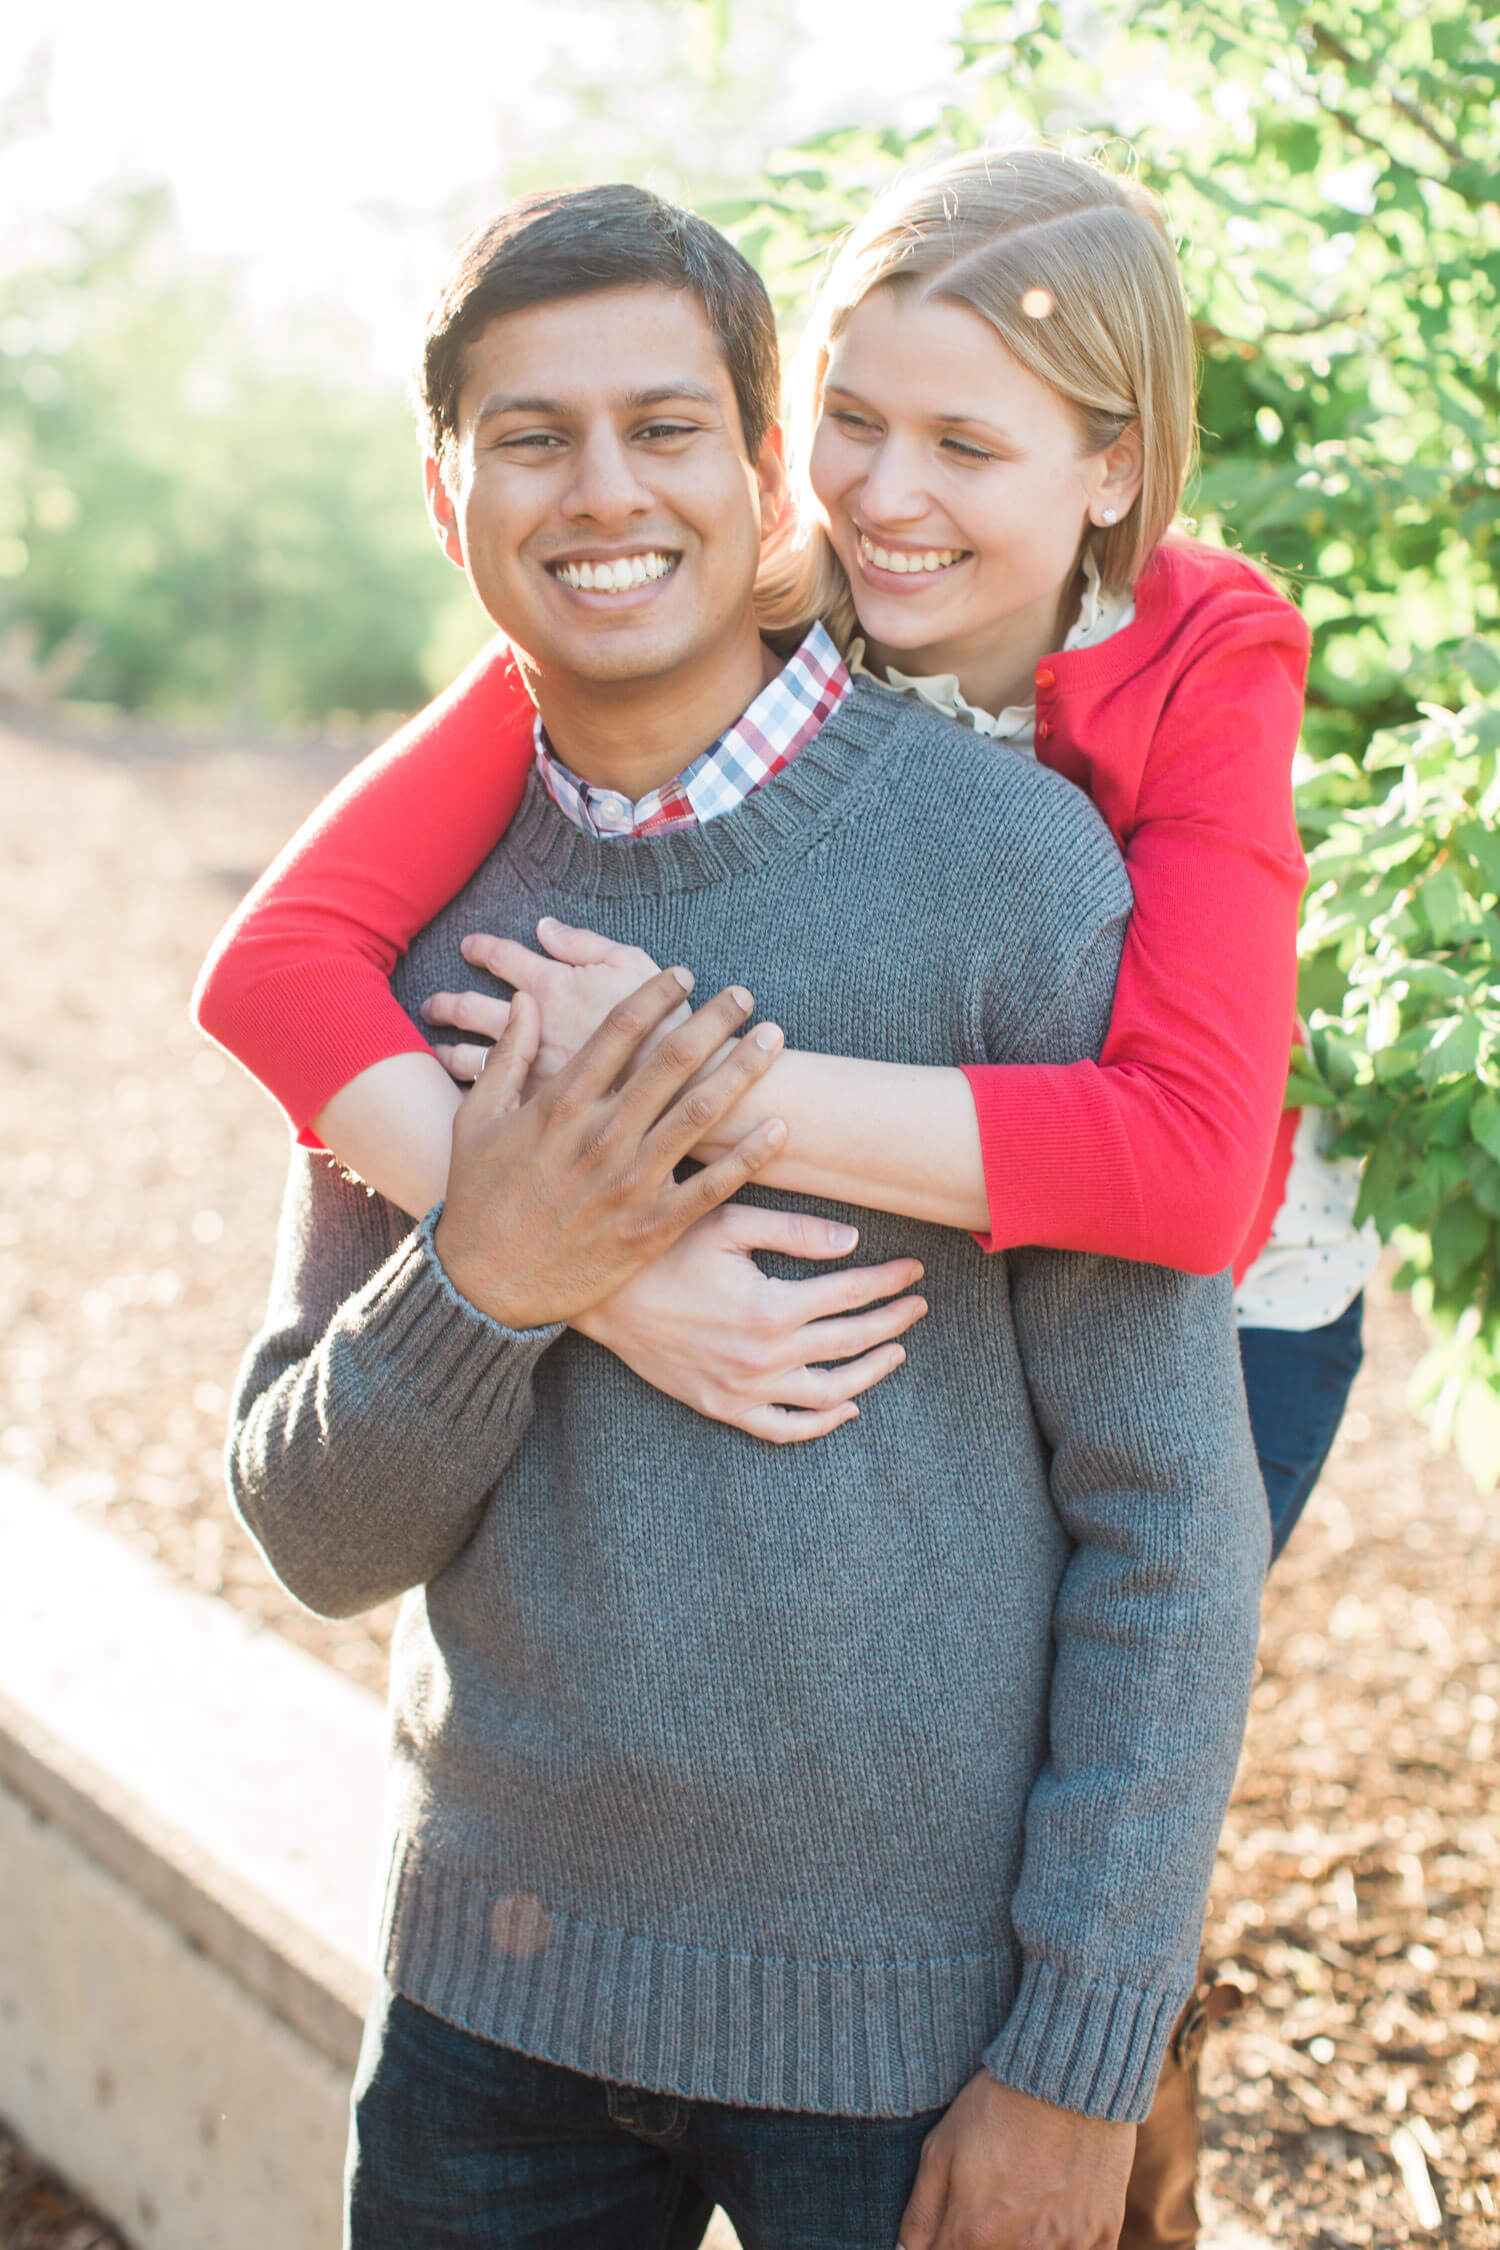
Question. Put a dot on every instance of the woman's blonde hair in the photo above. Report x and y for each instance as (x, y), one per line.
(1073, 268)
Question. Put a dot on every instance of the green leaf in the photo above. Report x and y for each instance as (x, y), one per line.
(1388, 750)
(1481, 848)
(1454, 1050)
(1460, 1237)
(1480, 659)
(1436, 980)
(1442, 899)
(1336, 1055)
(1444, 1122)
(1484, 1183)
(1304, 1091)
(1484, 1124)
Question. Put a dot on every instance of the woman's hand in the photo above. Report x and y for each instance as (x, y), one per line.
(575, 983)
(705, 1325)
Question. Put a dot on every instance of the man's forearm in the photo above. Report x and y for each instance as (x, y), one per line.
(899, 1137)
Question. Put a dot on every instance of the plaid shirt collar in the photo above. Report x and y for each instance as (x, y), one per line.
(782, 720)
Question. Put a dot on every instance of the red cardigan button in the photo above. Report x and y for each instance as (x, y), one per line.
(1044, 731)
(1045, 678)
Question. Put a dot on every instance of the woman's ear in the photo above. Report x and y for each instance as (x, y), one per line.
(1116, 476)
(441, 513)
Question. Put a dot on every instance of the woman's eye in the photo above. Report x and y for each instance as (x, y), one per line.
(854, 423)
(966, 452)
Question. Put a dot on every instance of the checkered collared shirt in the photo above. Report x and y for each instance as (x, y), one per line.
(782, 720)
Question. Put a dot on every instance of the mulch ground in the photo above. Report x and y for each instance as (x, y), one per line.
(1356, 2098)
(38, 2211)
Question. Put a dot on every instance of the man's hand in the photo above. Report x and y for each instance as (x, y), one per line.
(1003, 2171)
(705, 1325)
(554, 1202)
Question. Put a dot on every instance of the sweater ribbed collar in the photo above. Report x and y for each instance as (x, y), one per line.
(827, 780)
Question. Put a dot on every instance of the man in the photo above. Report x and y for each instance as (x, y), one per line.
(824, 1834)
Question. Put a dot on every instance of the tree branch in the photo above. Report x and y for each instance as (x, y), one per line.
(1327, 44)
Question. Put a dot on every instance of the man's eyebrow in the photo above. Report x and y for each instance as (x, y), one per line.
(502, 402)
(661, 394)
(664, 393)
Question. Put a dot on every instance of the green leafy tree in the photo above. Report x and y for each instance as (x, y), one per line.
(230, 535)
(1331, 170)
(1406, 899)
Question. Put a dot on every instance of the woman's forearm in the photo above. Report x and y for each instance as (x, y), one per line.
(890, 1136)
(393, 1127)
(896, 1137)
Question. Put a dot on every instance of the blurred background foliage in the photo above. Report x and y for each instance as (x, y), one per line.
(188, 522)
(195, 522)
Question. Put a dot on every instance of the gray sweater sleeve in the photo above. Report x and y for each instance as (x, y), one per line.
(377, 1407)
(1135, 1380)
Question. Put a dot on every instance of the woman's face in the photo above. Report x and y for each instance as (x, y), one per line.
(954, 487)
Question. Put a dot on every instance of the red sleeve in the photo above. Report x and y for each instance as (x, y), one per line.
(295, 984)
(1160, 1151)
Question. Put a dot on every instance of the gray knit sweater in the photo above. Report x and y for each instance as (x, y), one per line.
(802, 1777)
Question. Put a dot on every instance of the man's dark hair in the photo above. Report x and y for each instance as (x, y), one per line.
(570, 243)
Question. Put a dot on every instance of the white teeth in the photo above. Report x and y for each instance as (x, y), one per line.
(905, 565)
(619, 577)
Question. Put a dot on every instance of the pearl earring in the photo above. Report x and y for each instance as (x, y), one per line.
(1110, 515)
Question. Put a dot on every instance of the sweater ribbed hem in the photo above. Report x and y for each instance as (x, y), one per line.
(839, 2038)
(1085, 2044)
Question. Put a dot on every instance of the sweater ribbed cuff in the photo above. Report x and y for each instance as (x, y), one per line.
(446, 1343)
(423, 1400)
(1059, 1173)
(442, 1353)
(303, 1031)
(1085, 2044)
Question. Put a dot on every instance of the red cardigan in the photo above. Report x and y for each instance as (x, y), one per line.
(1181, 728)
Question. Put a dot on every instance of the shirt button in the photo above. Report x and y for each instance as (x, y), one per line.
(613, 813)
(1045, 678)
(1044, 731)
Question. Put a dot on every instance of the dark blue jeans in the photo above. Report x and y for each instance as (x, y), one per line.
(1297, 1382)
(458, 2144)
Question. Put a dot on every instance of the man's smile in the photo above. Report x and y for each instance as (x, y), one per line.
(615, 574)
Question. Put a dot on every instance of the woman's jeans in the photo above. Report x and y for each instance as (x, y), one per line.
(1297, 1382)
(458, 2144)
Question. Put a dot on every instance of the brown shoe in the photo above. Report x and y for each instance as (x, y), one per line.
(1161, 2203)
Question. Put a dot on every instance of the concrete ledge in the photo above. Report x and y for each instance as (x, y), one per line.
(189, 1836)
(185, 2109)
(189, 1820)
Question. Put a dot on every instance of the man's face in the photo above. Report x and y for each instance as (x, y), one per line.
(602, 500)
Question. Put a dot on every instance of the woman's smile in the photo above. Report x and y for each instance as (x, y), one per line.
(881, 560)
